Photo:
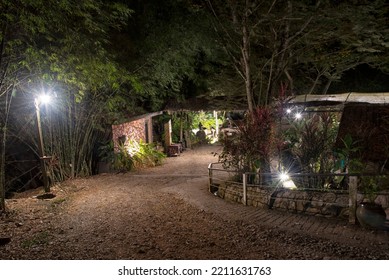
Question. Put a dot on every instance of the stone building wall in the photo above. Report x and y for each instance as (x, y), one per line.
(134, 131)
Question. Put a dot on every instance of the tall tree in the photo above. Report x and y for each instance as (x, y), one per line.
(36, 44)
(303, 43)
(174, 53)
(346, 34)
(259, 37)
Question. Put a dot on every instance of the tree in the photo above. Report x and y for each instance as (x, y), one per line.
(38, 45)
(173, 54)
(259, 37)
(303, 43)
(346, 34)
(249, 150)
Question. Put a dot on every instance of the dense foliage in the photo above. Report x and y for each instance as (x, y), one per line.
(250, 148)
(106, 60)
(308, 44)
(65, 56)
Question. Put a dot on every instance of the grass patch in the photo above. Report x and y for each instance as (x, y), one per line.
(57, 202)
(41, 238)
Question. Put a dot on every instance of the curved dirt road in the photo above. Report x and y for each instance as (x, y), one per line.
(166, 212)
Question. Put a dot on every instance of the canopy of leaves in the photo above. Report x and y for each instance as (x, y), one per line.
(308, 44)
(174, 52)
(62, 46)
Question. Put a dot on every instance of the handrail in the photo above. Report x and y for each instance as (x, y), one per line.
(298, 174)
(352, 183)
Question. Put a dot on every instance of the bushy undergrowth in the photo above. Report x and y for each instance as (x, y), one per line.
(249, 149)
(132, 155)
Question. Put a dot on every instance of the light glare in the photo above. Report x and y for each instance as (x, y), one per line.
(44, 98)
(289, 184)
(284, 177)
(298, 116)
(286, 181)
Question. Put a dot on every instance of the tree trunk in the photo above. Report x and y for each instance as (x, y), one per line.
(3, 139)
(246, 60)
(181, 127)
(290, 79)
(2, 169)
(314, 84)
(329, 82)
(4, 125)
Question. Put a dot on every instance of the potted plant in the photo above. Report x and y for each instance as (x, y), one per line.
(369, 213)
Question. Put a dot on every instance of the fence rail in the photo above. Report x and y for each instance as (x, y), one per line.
(343, 183)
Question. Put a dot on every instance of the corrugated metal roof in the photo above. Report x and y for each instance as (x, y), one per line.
(350, 97)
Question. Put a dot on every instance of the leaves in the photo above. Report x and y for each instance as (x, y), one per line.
(62, 45)
(174, 51)
(308, 44)
(251, 147)
(311, 142)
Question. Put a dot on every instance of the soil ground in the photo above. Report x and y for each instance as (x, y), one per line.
(166, 212)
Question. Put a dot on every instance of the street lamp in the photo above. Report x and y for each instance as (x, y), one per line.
(42, 99)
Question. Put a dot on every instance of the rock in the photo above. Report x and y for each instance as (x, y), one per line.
(4, 241)
(46, 196)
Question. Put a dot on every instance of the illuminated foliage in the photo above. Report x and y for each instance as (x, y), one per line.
(63, 46)
(249, 150)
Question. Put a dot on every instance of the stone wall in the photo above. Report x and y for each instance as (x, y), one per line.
(321, 203)
(130, 131)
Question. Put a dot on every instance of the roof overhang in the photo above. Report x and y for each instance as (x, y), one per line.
(381, 98)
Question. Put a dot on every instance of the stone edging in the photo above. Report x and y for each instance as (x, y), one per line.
(330, 204)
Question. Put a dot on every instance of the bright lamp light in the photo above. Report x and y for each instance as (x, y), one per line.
(286, 181)
(44, 98)
(284, 177)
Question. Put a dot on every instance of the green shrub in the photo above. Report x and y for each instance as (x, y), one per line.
(131, 155)
(146, 155)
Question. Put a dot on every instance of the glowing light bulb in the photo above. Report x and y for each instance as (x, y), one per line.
(284, 177)
(298, 116)
(44, 98)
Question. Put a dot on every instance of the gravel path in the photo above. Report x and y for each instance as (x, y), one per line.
(166, 212)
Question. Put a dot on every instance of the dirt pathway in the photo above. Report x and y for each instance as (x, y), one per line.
(162, 213)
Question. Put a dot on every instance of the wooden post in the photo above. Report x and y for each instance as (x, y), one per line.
(210, 177)
(244, 188)
(45, 178)
(168, 134)
(181, 128)
(187, 139)
(149, 132)
(216, 123)
(352, 201)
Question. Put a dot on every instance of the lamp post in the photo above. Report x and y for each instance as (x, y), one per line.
(38, 101)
